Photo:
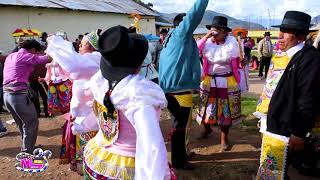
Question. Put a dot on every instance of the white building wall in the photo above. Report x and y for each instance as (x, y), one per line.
(53, 20)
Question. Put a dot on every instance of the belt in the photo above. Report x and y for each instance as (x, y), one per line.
(11, 87)
(23, 91)
(222, 75)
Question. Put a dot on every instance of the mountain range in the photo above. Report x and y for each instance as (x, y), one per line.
(316, 20)
(207, 19)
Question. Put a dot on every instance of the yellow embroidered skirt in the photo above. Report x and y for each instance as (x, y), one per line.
(101, 164)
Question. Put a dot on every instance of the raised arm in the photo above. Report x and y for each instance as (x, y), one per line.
(78, 66)
(192, 19)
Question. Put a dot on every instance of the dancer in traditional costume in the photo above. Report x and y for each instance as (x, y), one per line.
(59, 87)
(79, 67)
(294, 104)
(219, 90)
(129, 144)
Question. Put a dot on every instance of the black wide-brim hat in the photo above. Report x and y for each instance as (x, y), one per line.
(267, 34)
(122, 52)
(296, 20)
(219, 22)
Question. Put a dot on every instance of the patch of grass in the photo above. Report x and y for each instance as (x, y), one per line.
(255, 53)
(248, 105)
(253, 71)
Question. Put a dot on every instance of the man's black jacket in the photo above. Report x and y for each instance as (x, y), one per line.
(296, 100)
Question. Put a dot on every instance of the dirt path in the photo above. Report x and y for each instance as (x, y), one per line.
(242, 160)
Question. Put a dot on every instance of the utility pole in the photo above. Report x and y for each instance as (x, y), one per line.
(269, 19)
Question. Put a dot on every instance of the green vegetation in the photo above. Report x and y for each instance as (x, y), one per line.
(248, 105)
(255, 53)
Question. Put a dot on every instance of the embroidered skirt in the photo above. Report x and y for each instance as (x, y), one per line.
(72, 147)
(59, 97)
(68, 149)
(220, 100)
(101, 164)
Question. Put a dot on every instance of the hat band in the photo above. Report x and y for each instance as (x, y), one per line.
(219, 25)
(292, 22)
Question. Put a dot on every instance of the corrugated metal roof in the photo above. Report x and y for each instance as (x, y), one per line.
(112, 6)
(164, 24)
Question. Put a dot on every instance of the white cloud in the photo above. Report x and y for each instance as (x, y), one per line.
(243, 9)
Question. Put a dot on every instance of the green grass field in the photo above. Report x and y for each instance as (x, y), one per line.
(248, 105)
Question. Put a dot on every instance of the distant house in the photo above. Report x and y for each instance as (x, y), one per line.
(72, 16)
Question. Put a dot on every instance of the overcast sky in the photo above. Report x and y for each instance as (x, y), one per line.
(242, 9)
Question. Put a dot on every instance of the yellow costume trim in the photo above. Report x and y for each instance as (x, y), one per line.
(273, 157)
(279, 64)
(98, 108)
(232, 84)
(184, 100)
(108, 164)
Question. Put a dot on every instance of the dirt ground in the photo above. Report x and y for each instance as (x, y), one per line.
(240, 163)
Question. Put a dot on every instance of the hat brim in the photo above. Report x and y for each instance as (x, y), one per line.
(293, 28)
(114, 73)
(225, 27)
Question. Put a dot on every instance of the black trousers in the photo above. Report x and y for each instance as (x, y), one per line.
(178, 145)
(1, 97)
(38, 90)
(264, 64)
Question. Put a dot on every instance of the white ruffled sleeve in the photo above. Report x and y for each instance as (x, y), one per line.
(81, 108)
(78, 66)
(151, 154)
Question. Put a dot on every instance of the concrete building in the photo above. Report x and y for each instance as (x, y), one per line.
(72, 16)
